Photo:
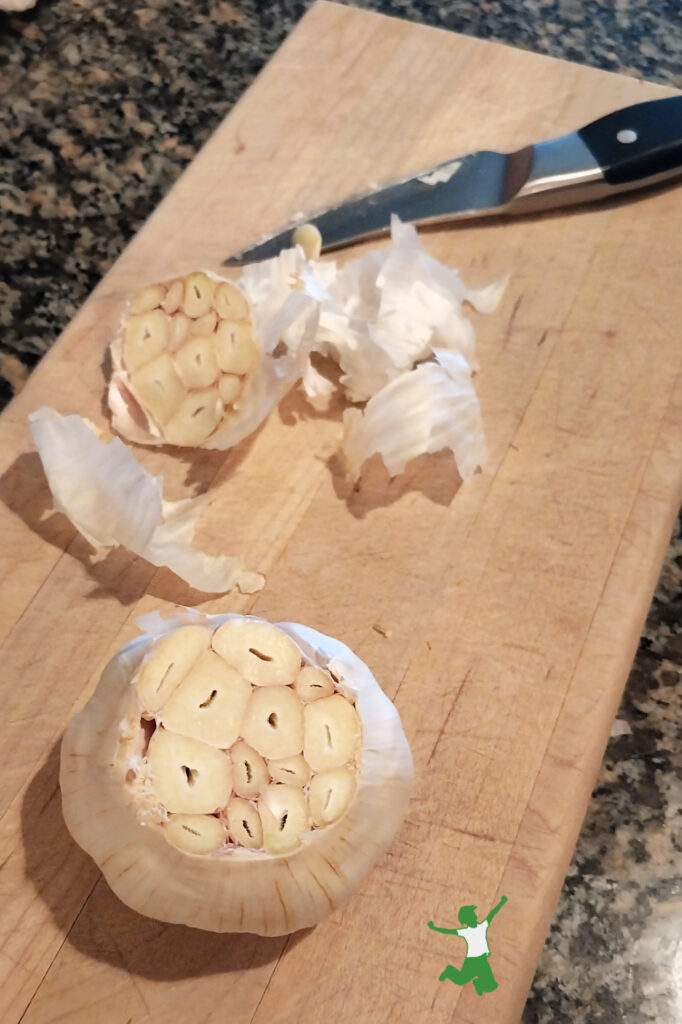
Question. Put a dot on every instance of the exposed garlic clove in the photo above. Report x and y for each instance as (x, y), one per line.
(229, 303)
(249, 771)
(309, 238)
(198, 297)
(196, 418)
(179, 331)
(188, 777)
(205, 325)
(158, 388)
(172, 657)
(174, 296)
(330, 794)
(273, 723)
(229, 388)
(150, 297)
(244, 824)
(259, 651)
(292, 771)
(312, 683)
(196, 363)
(285, 817)
(145, 337)
(332, 732)
(235, 347)
(210, 702)
(195, 833)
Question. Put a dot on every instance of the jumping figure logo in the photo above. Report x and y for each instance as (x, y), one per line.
(475, 967)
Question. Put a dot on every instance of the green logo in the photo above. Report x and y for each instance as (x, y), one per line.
(475, 967)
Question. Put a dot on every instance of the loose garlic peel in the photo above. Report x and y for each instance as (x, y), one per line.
(208, 869)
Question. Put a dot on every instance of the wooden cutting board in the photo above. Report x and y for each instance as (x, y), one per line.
(502, 615)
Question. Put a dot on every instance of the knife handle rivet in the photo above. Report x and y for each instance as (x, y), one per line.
(626, 136)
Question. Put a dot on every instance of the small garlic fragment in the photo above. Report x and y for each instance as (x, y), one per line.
(273, 723)
(229, 388)
(210, 702)
(158, 387)
(309, 238)
(312, 683)
(195, 833)
(244, 824)
(145, 336)
(285, 817)
(249, 771)
(293, 771)
(198, 297)
(332, 732)
(330, 794)
(259, 651)
(172, 657)
(189, 777)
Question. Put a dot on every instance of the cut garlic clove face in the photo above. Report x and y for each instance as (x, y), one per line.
(249, 771)
(209, 704)
(196, 418)
(198, 296)
(189, 777)
(149, 298)
(174, 295)
(144, 338)
(332, 733)
(273, 723)
(229, 303)
(244, 824)
(312, 683)
(235, 347)
(260, 652)
(285, 818)
(292, 771)
(170, 660)
(158, 386)
(196, 363)
(195, 833)
(229, 388)
(330, 794)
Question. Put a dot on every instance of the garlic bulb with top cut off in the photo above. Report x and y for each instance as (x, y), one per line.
(234, 775)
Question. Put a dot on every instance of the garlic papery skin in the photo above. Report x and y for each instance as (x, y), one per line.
(321, 851)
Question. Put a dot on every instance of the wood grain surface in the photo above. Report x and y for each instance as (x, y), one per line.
(502, 615)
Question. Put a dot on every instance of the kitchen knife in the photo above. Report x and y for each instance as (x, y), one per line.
(626, 150)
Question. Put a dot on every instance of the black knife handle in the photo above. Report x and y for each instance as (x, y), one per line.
(637, 142)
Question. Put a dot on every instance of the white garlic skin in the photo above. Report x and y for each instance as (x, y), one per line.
(240, 890)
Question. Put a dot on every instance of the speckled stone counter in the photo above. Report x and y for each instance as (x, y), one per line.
(103, 105)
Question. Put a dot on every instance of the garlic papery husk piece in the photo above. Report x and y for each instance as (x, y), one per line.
(200, 360)
(424, 410)
(113, 501)
(111, 810)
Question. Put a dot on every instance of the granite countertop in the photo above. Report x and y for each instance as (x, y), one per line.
(104, 105)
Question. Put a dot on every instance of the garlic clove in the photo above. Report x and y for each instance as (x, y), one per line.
(198, 295)
(149, 298)
(210, 702)
(285, 817)
(312, 683)
(145, 336)
(235, 347)
(229, 303)
(171, 658)
(188, 777)
(244, 823)
(249, 770)
(174, 295)
(273, 723)
(260, 652)
(159, 388)
(195, 833)
(179, 329)
(292, 771)
(196, 362)
(330, 794)
(196, 418)
(332, 733)
(205, 325)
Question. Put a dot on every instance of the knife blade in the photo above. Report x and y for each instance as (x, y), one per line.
(629, 149)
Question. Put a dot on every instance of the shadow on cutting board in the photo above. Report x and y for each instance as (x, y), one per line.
(434, 476)
(97, 924)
